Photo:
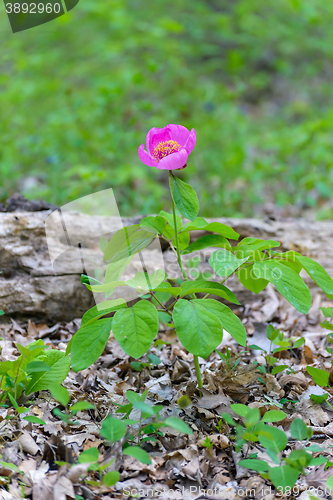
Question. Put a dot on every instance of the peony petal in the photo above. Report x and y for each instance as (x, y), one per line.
(146, 158)
(190, 143)
(179, 133)
(155, 136)
(173, 161)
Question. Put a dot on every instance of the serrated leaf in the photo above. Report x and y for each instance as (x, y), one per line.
(138, 453)
(113, 429)
(198, 329)
(135, 328)
(89, 342)
(287, 282)
(59, 363)
(225, 263)
(184, 197)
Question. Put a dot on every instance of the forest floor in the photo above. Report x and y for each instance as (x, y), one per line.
(182, 468)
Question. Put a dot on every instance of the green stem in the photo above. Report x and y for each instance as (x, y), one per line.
(197, 371)
(196, 358)
(177, 241)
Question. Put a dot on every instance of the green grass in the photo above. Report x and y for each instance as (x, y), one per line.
(78, 95)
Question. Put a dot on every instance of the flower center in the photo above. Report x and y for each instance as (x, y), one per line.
(165, 149)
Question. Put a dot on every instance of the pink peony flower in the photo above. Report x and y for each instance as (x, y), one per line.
(168, 147)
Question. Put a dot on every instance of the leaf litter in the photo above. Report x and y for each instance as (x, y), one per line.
(44, 457)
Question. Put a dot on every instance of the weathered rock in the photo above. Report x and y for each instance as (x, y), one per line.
(30, 286)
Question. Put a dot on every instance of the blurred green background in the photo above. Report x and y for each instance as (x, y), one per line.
(253, 77)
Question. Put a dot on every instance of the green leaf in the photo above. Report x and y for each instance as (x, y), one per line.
(321, 377)
(146, 281)
(289, 259)
(248, 279)
(2, 312)
(153, 224)
(138, 453)
(274, 416)
(225, 263)
(81, 405)
(111, 478)
(247, 248)
(209, 240)
(178, 424)
(59, 363)
(89, 343)
(155, 360)
(37, 366)
(127, 242)
(284, 476)
(279, 369)
(318, 274)
(255, 464)
(88, 456)
(59, 393)
(184, 197)
(215, 227)
(241, 410)
(135, 328)
(113, 429)
(252, 418)
(34, 420)
(230, 322)
(101, 309)
(203, 286)
(287, 282)
(199, 330)
(298, 429)
(327, 311)
(169, 218)
(273, 438)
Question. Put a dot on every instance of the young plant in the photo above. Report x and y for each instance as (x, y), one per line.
(198, 318)
(35, 369)
(276, 338)
(257, 430)
(122, 435)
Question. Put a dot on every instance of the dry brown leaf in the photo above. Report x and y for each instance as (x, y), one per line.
(219, 441)
(28, 444)
(318, 477)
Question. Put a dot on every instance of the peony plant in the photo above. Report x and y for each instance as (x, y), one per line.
(198, 318)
